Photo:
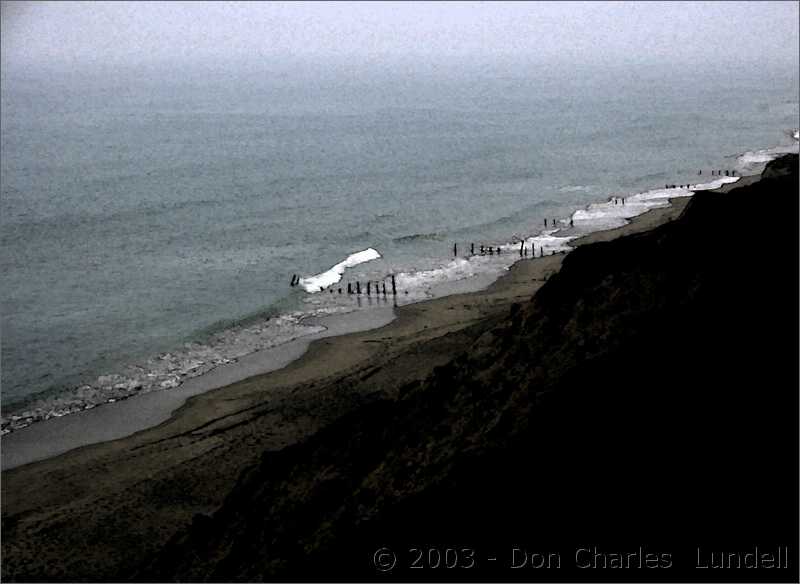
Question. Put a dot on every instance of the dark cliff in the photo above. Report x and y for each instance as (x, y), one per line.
(647, 396)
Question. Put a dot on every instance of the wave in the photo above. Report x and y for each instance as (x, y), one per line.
(613, 213)
(457, 269)
(419, 283)
(330, 277)
(418, 237)
(755, 160)
(165, 370)
(577, 189)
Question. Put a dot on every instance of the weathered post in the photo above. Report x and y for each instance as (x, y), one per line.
(358, 287)
(471, 249)
(394, 287)
(369, 285)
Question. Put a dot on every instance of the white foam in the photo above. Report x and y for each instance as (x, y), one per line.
(167, 370)
(610, 215)
(330, 277)
(755, 161)
(547, 241)
(715, 184)
(457, 269)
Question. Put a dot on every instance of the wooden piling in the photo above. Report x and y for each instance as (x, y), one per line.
(358, 287)
(394, 287)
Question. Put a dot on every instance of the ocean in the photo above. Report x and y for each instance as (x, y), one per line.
(152, 220)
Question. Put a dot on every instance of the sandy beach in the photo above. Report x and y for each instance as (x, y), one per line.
(148, 484)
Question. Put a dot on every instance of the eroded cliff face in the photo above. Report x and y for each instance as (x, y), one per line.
(646, 396)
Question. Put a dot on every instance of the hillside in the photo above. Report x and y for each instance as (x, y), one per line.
(646, 396)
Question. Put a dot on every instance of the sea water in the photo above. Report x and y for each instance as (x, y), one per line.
(152, 220)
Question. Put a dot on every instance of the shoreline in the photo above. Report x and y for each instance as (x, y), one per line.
(202, 356)
(138, 413)
(144, 489)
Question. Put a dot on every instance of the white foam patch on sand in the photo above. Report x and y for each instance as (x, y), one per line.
(332, 276)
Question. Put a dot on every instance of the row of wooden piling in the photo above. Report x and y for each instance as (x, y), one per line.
(379, 286)
(713, 173)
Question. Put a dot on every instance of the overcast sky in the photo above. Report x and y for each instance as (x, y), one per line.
(149, 32)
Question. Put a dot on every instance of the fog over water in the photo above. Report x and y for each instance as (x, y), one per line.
(85, 33)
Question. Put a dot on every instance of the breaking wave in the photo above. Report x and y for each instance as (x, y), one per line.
(330, 277)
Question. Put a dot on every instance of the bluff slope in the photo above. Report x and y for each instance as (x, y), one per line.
(647, 395)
